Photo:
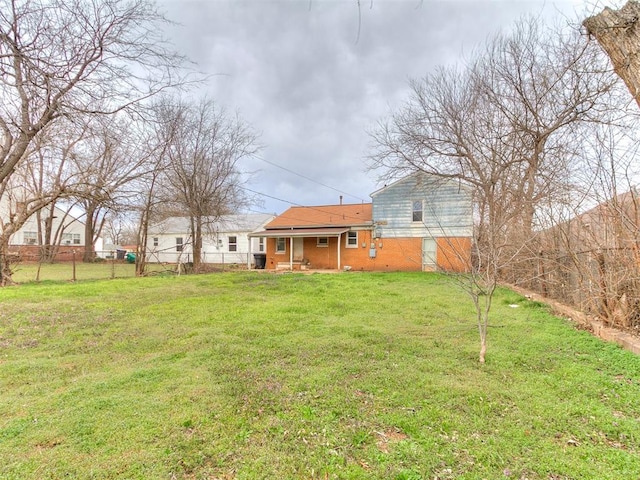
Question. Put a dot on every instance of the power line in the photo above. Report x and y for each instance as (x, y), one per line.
(310, 179)
(298, 205)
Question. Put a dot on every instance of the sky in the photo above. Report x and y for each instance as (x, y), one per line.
(313, 78)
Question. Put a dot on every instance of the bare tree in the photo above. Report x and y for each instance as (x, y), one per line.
(508, 124)
(64, 59)
(204, 149)
(38, 183)
(112, 160)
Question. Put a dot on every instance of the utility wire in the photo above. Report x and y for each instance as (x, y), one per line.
(310, 179)
(298, 205)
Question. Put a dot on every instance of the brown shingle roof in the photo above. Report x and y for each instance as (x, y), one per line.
(324, 216)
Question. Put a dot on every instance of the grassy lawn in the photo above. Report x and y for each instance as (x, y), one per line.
(251, 375)
(27, 272)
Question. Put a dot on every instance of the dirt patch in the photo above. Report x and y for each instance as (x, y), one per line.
(388, 437)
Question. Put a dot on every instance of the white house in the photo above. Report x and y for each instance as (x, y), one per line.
(225, 241)
(67, 232)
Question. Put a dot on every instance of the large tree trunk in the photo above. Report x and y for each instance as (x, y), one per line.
(5, 262)
(89, 255)
(618, 33)
(197, 244)
(141, 242)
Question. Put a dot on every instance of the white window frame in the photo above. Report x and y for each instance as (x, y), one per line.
(156, 241)
(233, 245)
(30, 238)
(284, 245)
(179, 244)
(414, 203)
(261, 244)
(70, 238)
(322, 242)
(351, 241)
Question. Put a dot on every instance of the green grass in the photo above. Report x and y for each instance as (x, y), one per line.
(28, 272)
(257, 376)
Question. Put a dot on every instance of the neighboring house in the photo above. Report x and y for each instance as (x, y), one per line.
(611, 225)
(27, 241)
(593, 260)
(417, 223)
(225, 241)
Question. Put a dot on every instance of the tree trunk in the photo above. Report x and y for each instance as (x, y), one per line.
(483, 349)
(197, 245)
(141, 247)
(89, 255)
(618, 33)
(5, 262)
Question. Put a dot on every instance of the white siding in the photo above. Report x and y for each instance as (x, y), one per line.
(215, 246)
(447, 208)
(73, 228)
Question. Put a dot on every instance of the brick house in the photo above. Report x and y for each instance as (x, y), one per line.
(417, 223)
(28, 243)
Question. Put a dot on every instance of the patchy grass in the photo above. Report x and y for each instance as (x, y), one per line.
(64, 271)
(353, 376)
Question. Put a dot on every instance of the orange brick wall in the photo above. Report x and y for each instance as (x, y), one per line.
(392, 254)
(454, 254)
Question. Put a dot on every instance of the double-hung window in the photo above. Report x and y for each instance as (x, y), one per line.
(179, 244)
(352, 240)
(233, 244)
(417, 211)
(30, 238)
(322, 242)
(71, 238)
(281, 245)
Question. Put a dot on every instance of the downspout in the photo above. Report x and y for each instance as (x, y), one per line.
(249, 239)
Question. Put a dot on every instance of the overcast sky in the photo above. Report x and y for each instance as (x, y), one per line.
(313, 77)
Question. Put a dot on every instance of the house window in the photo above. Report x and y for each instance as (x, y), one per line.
(417, 210)
(179, 244)
(261, 244)
(233, 244)
(30, 238)
(156, 241)
(281, 245)
(71, 238)
(323, 242)
(352, 240)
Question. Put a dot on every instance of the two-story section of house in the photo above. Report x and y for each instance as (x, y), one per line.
(422, 222)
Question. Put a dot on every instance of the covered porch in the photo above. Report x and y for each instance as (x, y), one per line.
(290, 247)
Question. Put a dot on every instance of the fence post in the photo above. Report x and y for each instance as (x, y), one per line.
(113, 265)
(73, 262)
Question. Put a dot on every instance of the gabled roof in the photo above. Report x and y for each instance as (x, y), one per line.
(243, 222)
(421, 178)
(349, 215)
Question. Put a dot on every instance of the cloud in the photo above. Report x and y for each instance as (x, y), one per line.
(315, 76)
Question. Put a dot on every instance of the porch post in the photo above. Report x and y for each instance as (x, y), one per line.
(339, 243)
(249, 254)
(291, 253)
